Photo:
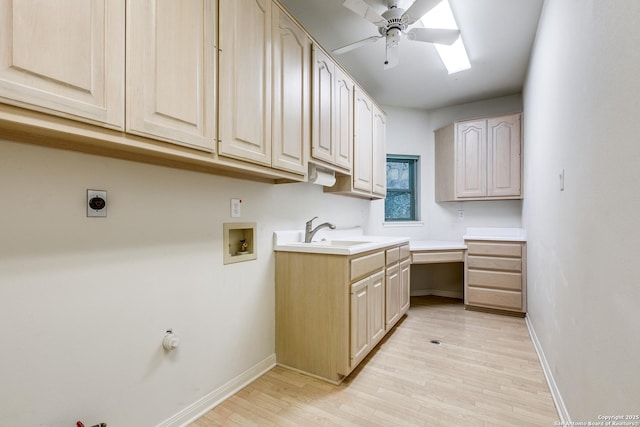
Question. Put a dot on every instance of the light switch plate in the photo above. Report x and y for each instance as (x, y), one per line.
(96, 203)
(235, 208)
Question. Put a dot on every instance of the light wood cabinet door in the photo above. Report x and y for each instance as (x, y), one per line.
(244, 98)
(171, 70)
(367, 315)
(343, 120)
(379, 171)
(360, 323)
(291, 111)
(64, 57)
(393, 295)
(405, 286)
(377, 309)
(323, 93)
(504, 157)
(363, 143)
(471, 159)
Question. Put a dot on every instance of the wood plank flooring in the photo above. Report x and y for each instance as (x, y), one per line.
(485, 372)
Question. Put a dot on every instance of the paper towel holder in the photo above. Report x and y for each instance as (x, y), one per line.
(321, 176)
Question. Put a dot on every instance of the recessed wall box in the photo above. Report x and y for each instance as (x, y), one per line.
(240, 242)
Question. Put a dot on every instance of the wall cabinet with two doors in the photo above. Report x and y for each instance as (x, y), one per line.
(163, 61)
(222, 86)
(479, 159)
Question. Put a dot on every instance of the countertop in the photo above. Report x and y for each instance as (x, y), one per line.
(496, 234)
(348, 241)
(436, 245)
(352, 241)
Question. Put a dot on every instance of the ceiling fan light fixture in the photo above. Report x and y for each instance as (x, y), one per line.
(454, 57)
(393, 37)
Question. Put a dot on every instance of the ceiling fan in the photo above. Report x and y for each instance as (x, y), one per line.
(393, 24)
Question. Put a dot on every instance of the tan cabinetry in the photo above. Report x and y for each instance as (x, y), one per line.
(479, 159)
(171, 72)
(245, 80)
(291, 104)
(397, 276)
(331, 310)
(495, 275)
(264, 86)
(332, 134)
(367, 316)
(64, 58)
(369, 175)
(379, 152)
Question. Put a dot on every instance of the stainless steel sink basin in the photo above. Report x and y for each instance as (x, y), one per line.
(334, 243)
(341, 243)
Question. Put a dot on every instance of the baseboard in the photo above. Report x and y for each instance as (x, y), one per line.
(563, 414)
(219, 395)
(437, 292)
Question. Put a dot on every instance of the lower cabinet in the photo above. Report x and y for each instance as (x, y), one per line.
(332, 310)
(495, 276)
(367, 315)
(397, 275)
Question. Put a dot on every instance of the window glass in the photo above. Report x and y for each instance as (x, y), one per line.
(400, 203)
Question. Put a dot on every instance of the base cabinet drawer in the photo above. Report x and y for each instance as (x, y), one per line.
(494, 263)
(496, 276)
(495, 298)
(495, 279)
(494, 249)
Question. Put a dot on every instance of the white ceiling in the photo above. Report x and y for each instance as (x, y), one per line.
(498, 35)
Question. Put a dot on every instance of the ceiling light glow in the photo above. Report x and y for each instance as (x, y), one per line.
(453, 57)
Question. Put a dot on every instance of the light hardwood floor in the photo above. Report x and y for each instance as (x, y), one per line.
(485, 372)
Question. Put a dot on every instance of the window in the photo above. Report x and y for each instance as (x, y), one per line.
(402, 188)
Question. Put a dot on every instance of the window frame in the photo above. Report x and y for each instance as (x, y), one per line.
(413, 163)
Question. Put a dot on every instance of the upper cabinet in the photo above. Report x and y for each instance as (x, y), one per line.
(332, 133)
(363, 143)
(171, 72)
(479, 159)
(264, 103)
(64, 58)
(221, 86)
(369, 176)
(245, 80)
(379, 171)
(291, 103)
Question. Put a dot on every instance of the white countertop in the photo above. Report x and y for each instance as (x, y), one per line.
(348, 241)
(352, 241)
(436, 245)
(495, 233)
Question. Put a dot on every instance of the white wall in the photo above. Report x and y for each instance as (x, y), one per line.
(85, 302)
(410, 131)
(582, 103)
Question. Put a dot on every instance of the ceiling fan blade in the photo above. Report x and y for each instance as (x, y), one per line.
(392, 56)
(364, 10)
(355, 45)
(418, 9)
(433, 35)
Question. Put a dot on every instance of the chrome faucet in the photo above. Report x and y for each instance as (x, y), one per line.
(308, 232)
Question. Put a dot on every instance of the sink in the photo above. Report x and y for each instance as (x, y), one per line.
(334, 243)
(341, 243)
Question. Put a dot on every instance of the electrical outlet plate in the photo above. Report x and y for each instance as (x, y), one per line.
(94, 203)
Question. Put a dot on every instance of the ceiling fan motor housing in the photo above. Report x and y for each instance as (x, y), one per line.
(395, 21)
